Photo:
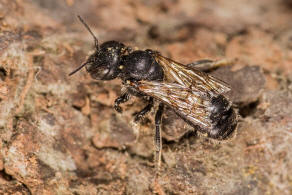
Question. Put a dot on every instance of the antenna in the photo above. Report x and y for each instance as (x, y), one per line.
(87, 27)
(95, 43)
(77, 69)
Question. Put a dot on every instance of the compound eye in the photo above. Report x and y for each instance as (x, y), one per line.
(97, 72)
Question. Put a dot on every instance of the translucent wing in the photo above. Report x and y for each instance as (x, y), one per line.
(188, 76)
(190, 103)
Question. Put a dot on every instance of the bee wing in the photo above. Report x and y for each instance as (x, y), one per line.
(188, 76)
(190, 103)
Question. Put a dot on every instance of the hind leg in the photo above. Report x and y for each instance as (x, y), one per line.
(157, 137)
(207, 65)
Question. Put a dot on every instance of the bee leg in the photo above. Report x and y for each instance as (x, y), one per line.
(207, 65)
(122, 99)
(200, 62)
(145, 110)
(157, 137)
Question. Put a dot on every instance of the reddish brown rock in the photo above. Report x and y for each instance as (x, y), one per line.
(61, 135)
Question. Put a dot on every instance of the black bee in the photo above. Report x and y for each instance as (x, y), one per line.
(194, 95)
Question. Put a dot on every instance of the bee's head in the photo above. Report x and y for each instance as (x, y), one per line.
(104, 63)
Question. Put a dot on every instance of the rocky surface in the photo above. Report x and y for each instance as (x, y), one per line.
(61, 135)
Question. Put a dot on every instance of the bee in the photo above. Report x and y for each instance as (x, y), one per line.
(194, 95)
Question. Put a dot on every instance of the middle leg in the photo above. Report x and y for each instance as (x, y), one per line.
(145, 110)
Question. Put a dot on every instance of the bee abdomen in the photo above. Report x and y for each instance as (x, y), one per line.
(223, 118)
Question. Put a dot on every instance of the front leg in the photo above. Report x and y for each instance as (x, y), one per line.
(157, 137)
(122, 99)
(145, 110)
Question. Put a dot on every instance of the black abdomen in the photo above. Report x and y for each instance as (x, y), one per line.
(223, 117)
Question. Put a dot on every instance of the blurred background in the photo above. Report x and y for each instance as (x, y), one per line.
(60, 134)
